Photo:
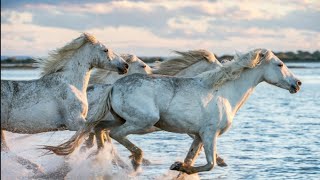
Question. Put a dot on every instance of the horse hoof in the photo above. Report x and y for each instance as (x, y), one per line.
(221, 163)
(135, 164)
(176, 166)
(146, 162)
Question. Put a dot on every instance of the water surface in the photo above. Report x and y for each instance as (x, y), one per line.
(275, 135)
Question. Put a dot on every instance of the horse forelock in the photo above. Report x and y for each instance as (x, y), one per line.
(184, 60)
(129, 58)
(90, 38)
(60, 56)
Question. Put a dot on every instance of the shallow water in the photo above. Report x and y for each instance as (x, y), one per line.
(275, 135)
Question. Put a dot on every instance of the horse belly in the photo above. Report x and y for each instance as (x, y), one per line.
(35, 118)
(180, 121)
(176, 127)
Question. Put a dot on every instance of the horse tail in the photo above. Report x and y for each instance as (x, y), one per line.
(69, 146)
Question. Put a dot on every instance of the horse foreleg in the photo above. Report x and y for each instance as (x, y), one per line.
(220, 161)
(194, 151)
(4, 146)
(209, 142)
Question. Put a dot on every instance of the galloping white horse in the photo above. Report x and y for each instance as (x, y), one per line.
(58, 99)
(187, 64)
(204, 105)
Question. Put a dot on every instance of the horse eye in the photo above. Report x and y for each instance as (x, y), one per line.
(143, 66)
(105, 50)
(280, 65)
(262, 55)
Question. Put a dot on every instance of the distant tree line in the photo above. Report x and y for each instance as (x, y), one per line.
(299, 56)
(14, 60)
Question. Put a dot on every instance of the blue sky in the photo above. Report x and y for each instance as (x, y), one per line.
(35, 27)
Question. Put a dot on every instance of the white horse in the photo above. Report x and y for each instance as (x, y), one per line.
(58, 99)
(204, 105)
(187, 64)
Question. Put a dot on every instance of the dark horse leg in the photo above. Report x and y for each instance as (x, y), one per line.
(195, 149)
(194, 152)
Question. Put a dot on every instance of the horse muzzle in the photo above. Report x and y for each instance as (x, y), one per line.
(295, 87)
(123, 69)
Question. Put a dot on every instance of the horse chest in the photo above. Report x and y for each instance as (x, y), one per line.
(222, 114)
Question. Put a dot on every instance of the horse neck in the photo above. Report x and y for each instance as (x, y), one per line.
(239, 90)
(78, 69)
(112, 77)
(196, 69)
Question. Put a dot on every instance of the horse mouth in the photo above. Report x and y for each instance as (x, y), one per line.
(294, 89)
(122, 71)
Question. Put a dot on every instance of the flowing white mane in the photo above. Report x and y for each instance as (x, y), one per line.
(232, 70)
(99, 75)
(59, 57)
(184, 60)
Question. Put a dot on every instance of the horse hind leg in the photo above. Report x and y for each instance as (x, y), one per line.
(119, 134)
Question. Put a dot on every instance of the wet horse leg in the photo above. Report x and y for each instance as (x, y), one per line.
(220, 161)
(193, 153)
(119, 134)
(209, 142)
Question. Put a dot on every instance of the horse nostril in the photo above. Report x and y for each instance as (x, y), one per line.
(126, 66)
(299, 83)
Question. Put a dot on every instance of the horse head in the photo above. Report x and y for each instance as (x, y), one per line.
(105, 58)
(136, 64)
(277, 73)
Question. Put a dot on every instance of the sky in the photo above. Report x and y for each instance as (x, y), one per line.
(155, 28)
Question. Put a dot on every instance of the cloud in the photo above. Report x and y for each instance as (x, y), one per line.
(28, 39)
(155, 27)
(15, 17)
(188, 25)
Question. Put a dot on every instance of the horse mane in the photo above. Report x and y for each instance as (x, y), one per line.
(232, 70)
(185, 59)
(99, 75)
(60, 56)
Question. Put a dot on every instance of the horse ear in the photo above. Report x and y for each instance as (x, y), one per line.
(263, 54)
